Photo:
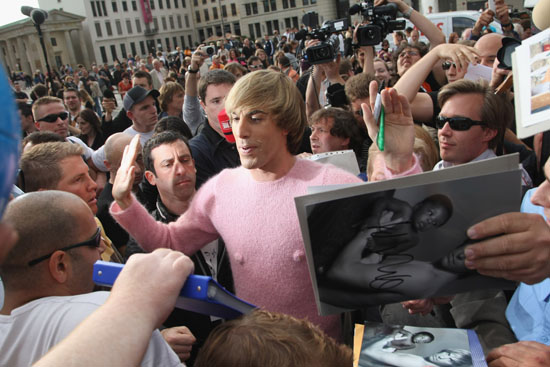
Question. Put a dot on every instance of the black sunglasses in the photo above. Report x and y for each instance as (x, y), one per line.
(457, 123)
(447, 65)
(95, 242)
(54, 116)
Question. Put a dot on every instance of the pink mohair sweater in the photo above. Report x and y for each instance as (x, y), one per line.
(259, 224)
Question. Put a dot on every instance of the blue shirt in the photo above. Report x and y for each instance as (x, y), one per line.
(529, 311)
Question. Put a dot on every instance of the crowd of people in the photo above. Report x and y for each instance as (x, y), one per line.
(136, 165)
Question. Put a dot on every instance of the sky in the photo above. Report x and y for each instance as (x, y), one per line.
(11, 10)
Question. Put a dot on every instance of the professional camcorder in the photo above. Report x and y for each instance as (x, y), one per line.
(382, 21)
(327, 50)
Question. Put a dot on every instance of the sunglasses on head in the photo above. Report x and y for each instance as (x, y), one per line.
(447, 65)
(95, 242)
(457, 123)
(54, 116)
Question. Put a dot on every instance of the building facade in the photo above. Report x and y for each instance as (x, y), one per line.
(20, 48)
(108, 30)
(115, 28)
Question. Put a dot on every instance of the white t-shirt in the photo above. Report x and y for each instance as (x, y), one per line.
(88, 152)
(34, 328)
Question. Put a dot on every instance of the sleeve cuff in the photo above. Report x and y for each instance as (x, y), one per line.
(415, 168)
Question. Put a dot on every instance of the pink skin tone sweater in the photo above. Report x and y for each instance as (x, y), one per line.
(259, 224)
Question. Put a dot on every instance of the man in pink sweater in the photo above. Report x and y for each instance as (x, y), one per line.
(252, 207)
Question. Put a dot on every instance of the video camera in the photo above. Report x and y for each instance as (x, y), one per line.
(326, 51)
(382, 21)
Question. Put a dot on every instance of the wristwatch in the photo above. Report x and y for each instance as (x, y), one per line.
(408, 13)
(190, 70)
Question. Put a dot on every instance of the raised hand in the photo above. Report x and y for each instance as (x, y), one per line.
(124, 180)
(399, 127)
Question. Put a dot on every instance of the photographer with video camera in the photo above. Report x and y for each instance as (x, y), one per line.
(325, 85)
(407, 55)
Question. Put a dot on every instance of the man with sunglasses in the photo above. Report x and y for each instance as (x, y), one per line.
(470, 125)
(466, 131)
(48, 279)
(50, 115)
(254, 64)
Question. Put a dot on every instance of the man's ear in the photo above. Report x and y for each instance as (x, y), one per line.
(345, 143)
(37, 125)
(150, 176)
(489, 134)
(130, 114)
(59, 266)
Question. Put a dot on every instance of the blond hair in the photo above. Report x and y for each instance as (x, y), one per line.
(42, 101)
(40, 164)
(276, 95)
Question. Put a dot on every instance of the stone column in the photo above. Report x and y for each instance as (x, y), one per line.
(84, 49)
(23, 56)
(11, 54)
(70, 47)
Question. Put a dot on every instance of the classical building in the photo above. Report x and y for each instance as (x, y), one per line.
(20, 48)
(115, 28)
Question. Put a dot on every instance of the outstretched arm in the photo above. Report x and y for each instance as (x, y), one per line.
(191, 231)
(409, 84)
(424, 25)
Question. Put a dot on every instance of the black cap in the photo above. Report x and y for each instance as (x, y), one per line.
(136, 95)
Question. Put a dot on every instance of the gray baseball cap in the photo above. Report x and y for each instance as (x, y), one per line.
(136, 95)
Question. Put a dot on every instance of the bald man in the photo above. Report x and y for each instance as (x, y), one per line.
(488, 46)
(48, 278)
(114, 147)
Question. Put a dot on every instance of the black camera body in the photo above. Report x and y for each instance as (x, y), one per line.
(327, 50)
(324, 51)
(382, 21)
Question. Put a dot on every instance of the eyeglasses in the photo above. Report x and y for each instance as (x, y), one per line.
(54, 116)
(95, 242)
(409, 53)
(447, 65)
(254, 66)
(457, 123)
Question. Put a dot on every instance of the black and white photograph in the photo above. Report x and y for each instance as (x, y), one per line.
(372, 244)
(409, 346)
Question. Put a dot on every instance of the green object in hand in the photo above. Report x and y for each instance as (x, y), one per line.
(380, 137)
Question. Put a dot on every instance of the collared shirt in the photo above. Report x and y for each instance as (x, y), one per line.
(212, 154)
(526, 181)
(529, 311)
(485, 155)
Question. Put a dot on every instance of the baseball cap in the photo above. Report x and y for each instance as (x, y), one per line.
(136, 95)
